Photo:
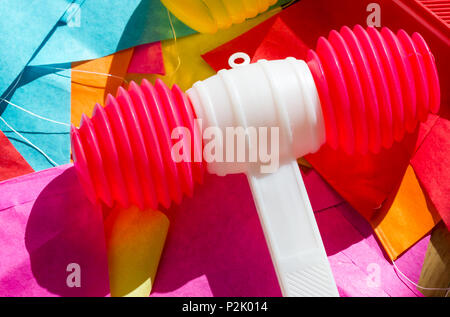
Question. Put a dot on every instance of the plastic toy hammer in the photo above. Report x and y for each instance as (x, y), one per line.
(360, 90)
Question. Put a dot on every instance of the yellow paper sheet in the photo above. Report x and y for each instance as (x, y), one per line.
(134, 241)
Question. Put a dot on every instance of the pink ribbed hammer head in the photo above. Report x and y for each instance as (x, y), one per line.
(123, 153)
(373, 86)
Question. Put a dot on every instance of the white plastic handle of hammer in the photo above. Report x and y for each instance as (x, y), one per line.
(291, 233)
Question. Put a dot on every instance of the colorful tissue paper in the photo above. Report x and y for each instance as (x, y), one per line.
(364, 181)
(215, 245)
(91, 83)
(68, 31)
(50, 233)
(44, 91)
(12, 164)
(182, 57)
(98, 28)
(147, 59)
(308, 19)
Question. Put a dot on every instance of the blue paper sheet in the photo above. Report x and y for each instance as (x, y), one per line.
(24, 25)
(45, 92)
(40, 32)
(102, 27)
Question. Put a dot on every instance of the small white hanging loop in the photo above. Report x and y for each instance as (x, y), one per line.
(236, 56)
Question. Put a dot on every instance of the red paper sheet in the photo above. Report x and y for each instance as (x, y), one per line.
(431, 164)
(12, 164)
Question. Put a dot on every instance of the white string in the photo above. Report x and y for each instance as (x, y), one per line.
(34, 114)
(417, 285)
(29, 142)
(175, 44)
(58, 68)
(41, 117)
(11, 89)
(85, 71)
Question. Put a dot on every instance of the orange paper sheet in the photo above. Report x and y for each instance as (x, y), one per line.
(405, 217)
(91, 86)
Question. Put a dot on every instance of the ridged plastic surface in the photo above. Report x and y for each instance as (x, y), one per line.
(373, 86)
(208, 16)
(123, 153)
(440, 8)
(312, 281)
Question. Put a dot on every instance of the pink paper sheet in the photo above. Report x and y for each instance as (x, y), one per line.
(352, 247)
(215, 245)
(147, 59)
(46, 224)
